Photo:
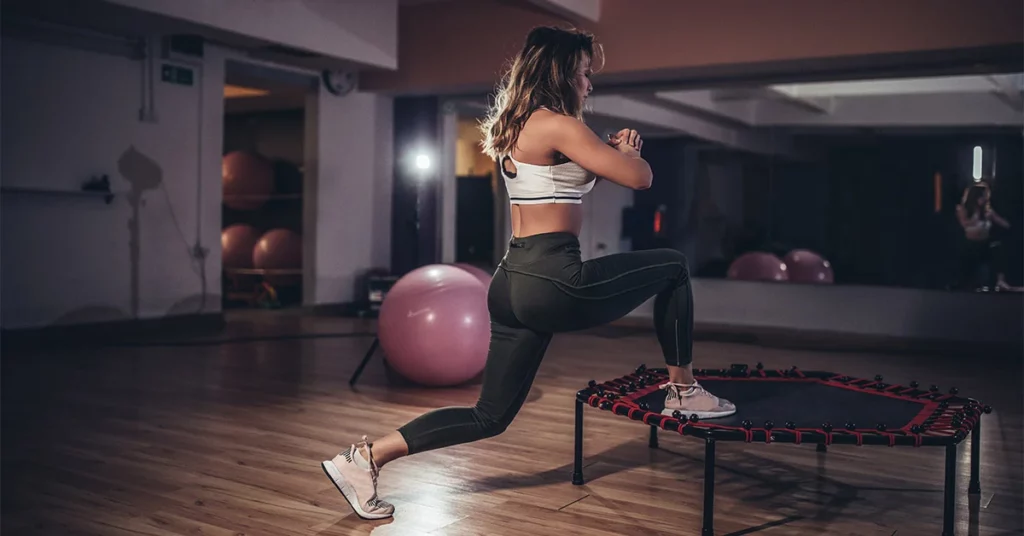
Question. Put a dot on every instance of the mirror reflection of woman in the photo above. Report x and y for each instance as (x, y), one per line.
(982, 247)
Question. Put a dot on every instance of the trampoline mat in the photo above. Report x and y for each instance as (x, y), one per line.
(809, 404)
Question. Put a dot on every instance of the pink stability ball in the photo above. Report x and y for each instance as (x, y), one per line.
(482, 275)
(758, 266)
(247, 180)
(806, 266)
(236, 245)
(434, 326)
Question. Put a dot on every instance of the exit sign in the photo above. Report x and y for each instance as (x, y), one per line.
(176, 75)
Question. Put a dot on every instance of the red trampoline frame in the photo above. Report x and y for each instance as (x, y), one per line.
(945, 420)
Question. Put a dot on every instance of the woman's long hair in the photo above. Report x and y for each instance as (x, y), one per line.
(544, 73)
(972, 195)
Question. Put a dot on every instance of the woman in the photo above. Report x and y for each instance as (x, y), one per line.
(976, 217)
(549, 160)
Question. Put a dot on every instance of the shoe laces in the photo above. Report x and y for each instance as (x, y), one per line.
(374, 470)
(694, 388)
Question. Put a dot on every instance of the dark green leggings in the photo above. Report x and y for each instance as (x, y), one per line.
(542, 287)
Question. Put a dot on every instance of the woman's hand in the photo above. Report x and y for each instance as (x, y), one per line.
(608, 158)
(627, 141)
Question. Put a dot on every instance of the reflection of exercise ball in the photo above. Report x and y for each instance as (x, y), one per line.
(248, 180)
(805, 266)
(434, 326)
(758, 266)
(476, 272)
(236, 245)
(278, 249)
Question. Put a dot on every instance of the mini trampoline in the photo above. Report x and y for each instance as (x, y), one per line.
(772, 407)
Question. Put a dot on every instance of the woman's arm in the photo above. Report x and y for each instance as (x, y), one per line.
(998, 219)
(621, 164)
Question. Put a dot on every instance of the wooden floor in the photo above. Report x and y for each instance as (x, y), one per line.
(226, 439)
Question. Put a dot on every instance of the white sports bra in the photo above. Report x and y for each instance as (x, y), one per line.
(533, 184)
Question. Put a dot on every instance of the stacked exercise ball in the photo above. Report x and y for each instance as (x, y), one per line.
(434, 326)
(237, 243)
(243, 247)
(247, 179)
(798, 266)
(278, 249)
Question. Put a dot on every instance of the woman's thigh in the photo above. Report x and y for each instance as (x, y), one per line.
(595, 292)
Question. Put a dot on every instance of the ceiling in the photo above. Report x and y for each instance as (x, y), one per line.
(950, 101)
(776, 119)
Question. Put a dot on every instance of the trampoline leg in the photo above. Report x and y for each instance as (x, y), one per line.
(975, 485)
(709, 488)
(949, 499)
(821, 448)
(577, 465)
(653, 441)
(366, 359)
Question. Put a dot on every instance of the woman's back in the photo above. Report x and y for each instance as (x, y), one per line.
(545, 188)
(549, 158)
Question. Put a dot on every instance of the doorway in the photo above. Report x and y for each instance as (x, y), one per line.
(476, 198)
(474, 220)
(263, 186)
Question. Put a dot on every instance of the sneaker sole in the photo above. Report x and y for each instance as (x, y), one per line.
(346, 491)
(701, 414)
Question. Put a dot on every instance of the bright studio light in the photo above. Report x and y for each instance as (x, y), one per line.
(976, 167)
(422, 162)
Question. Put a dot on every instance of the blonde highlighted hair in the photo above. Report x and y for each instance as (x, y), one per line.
(543, 74)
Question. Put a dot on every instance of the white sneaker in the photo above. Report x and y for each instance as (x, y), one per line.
(695, 400)
(356, 479)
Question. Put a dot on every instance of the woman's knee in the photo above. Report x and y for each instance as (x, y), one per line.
(491, 425)
(677, 257)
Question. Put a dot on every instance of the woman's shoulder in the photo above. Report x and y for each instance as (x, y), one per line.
(546, 121)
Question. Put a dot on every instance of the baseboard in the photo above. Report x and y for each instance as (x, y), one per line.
(115, 331)
(832, 341)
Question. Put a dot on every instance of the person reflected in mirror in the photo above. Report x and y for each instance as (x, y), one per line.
(982, 251)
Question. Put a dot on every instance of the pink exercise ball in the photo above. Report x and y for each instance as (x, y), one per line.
(806, 266)
(278, 249)
(247, 180)
(236, 244)
(434, 326)
(758, 266)
(479, 273)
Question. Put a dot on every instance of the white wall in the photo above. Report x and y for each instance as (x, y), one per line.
(69, 114)
(362, 31)
(349, 182)
(859, 310)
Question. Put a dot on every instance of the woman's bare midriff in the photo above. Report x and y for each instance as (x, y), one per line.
(529, 220)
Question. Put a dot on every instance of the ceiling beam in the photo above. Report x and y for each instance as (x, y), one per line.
(813, 105)
(925, 110)
(636, 112)
(710, 101)
(898, 86)
(1009, 90)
